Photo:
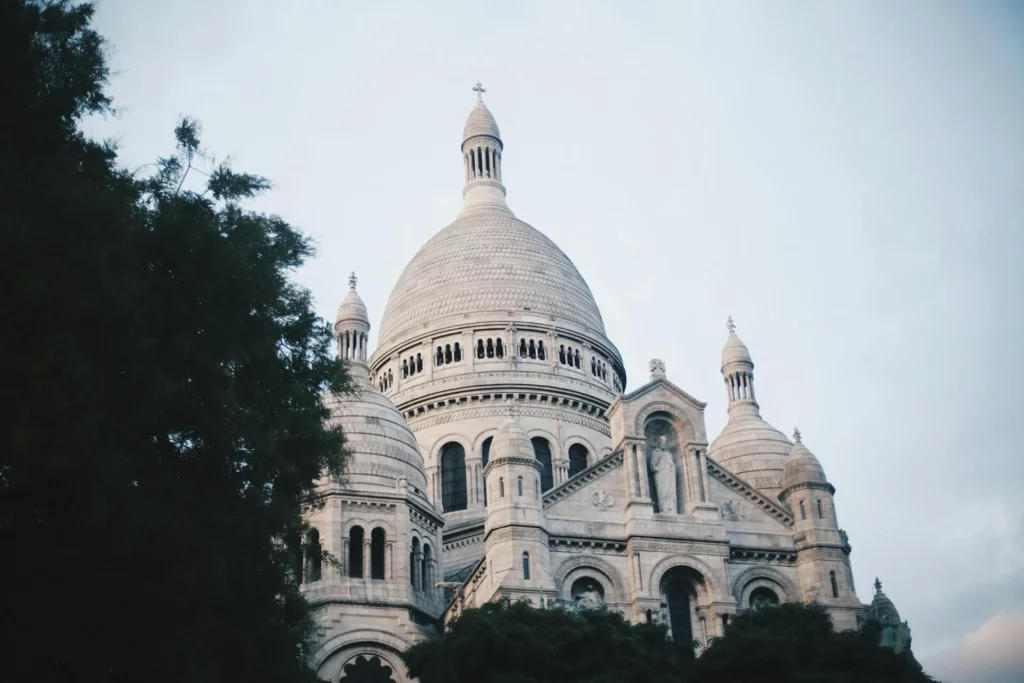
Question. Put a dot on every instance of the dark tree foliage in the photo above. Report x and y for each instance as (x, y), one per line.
(515, 643)
(163, 422)
(792, 642)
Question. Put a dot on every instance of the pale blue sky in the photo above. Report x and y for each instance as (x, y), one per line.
(845, 179)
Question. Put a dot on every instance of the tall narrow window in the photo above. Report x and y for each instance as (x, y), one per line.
(485, 456)
(425, 567)
(561, 354)
(377, 540)
(355, 552)
(439, 359)
(821, 512)
(498, 350)
(803, 511)
(414, 551)
(577, 357)
(526, 566)
(533, 349)
(480, 348)
(835, 584)
(314, 556)
(447, 353)
(577, 459)
(501, 487)
(490, 348)
(540, 351)
(593, 367)
(453, 477)
(419, 363)
(522, 348)
(405, 369)
(542, 451)
(519, 480)
(487, 161)
(457, 353)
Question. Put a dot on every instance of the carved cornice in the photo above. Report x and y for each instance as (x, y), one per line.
(762, 556)
(592, 473)
(473, 406)
(579, 544)
(532, 463)
(812, 485)
(762, 500)
(720, 549)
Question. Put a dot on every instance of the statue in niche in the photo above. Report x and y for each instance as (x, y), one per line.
(589, 598)
(663, 470)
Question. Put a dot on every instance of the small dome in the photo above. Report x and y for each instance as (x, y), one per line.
(802, 467)
(752, 449)
(511, 441)
(352, 308)
(481, 122)
(382, 448)
(882, 609)
(735, 351)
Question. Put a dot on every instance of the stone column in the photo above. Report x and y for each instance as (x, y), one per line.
(704, 475)
(344, 559)
(389, 554)
(641, 459)
(366, 558)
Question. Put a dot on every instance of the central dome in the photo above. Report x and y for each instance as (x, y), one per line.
(488, 263)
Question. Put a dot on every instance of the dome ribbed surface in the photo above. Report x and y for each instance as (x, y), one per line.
(883, 609)
(353, 308)
(486, 264)
(735, 351)
(802, 468)
(382, 447)
(753, 450)
(511, 441)
(480, 122)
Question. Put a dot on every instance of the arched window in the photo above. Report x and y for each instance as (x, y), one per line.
(542, 451)
(533, 350)
(835, 584)
(419, 363)
(501, 487)
(425, 567)
(526, 566)
(457, 354)
(803, 511)
(499, 350)
(414, 551)
(377, 539)
(561, 354)
(821, 513)
(487, 161)
(762, 597)
(439, 357)
(485, 456)
(541, 354)
(577, 459)
(520, 481)
(480, 348)
(522, 348)
(405, 369)
(355, 552)
(490, 348)
(314, 556)
(453, 477)
(577, 358)
(593, 367)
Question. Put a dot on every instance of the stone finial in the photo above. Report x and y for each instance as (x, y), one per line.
(730, 325)
(796, 435)
(479, 90)
(657, 369)
(878, 585)
(352, 280)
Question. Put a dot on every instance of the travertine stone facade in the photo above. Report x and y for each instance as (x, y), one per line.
(493, 426)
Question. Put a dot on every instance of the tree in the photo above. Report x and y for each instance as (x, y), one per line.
(503, 642)
(792, 642)
(163, 424)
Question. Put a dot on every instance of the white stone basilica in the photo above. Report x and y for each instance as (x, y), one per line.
(496, 453)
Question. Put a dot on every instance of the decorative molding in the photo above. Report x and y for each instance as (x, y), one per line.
(574, 544)
(517, 533)
(720, 549)
(572, 564)
(762, 556)
(464, 411)
(689, 429)
(739, 585)
(662, 382)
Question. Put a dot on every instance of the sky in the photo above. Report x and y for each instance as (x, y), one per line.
(846, 179)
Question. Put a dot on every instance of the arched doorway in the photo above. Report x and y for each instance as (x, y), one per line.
(367, 669)
(679, 591)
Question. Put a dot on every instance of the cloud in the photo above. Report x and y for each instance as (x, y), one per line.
(991, 654)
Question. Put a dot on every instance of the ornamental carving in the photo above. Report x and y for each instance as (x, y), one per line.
(732, 510)
(602, 500)
(688, 548)
(517, 533)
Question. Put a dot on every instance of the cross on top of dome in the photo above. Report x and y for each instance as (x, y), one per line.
(479, 90)
(352, 280)
(730, 325)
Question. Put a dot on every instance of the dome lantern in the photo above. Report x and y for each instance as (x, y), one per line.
(482, 150)
(352, 327)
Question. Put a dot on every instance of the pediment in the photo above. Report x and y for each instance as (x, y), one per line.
(592, 488)
(662, 384)
(760, 501)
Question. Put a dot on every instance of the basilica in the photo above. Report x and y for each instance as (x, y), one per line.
(497, 451)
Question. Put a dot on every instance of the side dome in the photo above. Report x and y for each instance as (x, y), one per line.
(735, 351)
(487, 264)
(382, 448)
(511, 441)
(882, 608)
(803, 467)
(752, 449)
(352, 308)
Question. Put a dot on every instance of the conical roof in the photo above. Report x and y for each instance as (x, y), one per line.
(481, 122)
(802, 467)
(735, 351)
(352, 308)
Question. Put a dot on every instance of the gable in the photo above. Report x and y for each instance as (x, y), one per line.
(592, 495)
(739, 513)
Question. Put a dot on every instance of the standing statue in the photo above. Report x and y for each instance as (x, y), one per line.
(664, 471)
